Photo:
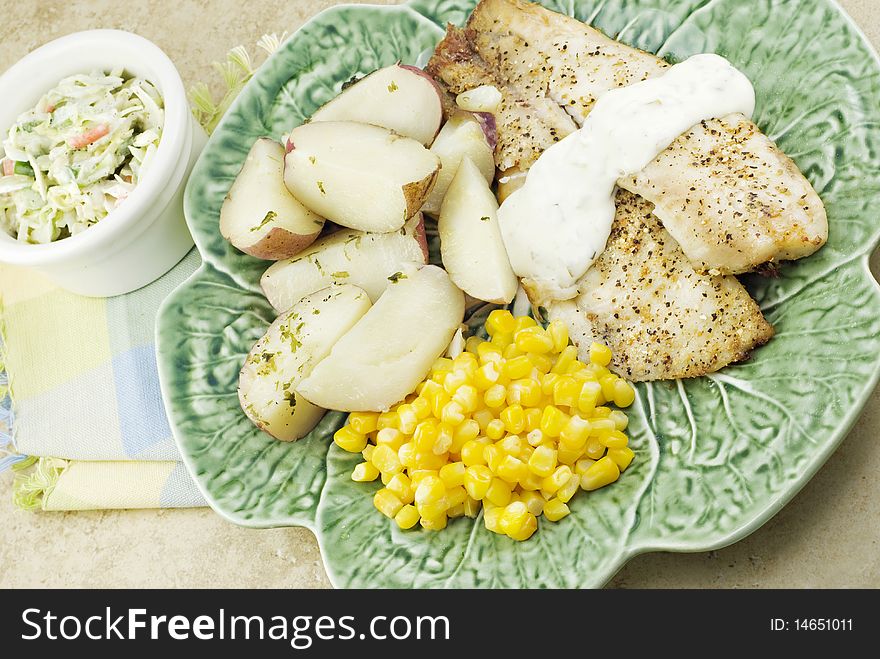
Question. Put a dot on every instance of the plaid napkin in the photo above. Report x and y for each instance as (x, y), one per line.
(82, 418)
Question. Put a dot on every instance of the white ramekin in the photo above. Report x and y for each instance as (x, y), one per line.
(146, 235)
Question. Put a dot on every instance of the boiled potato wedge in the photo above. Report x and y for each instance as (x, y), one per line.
(292, 345)
(401, 98)
(390, 350)
(461, 136)
(367, 260)
(357, 175)
(471, 245)
(259, 215)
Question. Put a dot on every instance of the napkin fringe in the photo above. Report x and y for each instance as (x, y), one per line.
(30, 489)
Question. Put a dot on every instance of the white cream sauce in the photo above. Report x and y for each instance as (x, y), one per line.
(559, 221)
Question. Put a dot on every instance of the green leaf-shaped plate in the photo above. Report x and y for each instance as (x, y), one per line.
(716, 456)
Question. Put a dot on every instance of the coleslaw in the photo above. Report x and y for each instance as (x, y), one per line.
(69, 161)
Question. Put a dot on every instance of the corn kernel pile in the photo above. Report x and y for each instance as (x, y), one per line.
(515, 425)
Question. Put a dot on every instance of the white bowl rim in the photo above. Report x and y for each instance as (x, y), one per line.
(120, 224)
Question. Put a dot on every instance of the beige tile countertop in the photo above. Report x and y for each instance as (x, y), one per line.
(828, 536)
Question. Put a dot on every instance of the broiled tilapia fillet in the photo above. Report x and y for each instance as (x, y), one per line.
(724, 190)
(661, 318)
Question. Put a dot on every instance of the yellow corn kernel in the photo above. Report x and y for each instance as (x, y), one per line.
(407, 419)
(621, 421)
(567, 357)
(456, 511)
(614, 439)
(581, 466)
(429, 460)
(364, 473)
(567, 491)
(466, 362)
(534, 339)
(495, 396)
(493, 455)
(512, 445)
(594, 449)
(422, 407)
(462, 433)
(575, 433)
(535, 437)
(495, 429)
(558, 331)
(604, 472)
(566, 391)
(486, 376)
(390, 437)
(500, 320)
(407, 517)
(416, 476)
(430, 497)
(492, 518)
(518, 367)
(534, 502)
(476, 480)
(568, 455)
(533, 418)
(513, 517)
(543, 461)
(443, 441)
(548, 381)
(600, 426)
(553, 421)
(452, 413)
(454, 380)
(589, 397)
(368, 452)
(554, 510)
(514, 418)
(498, 493)
(526, 530)
(363, 422)
(470, 345)
(401, 486)
(501, 340)
(531, 482)
(387, 420)
(441, 365)
(511, 352)
(452, 474)
(624, 394)
(385, 478)
(437, 523)
(386, 460)
(557, 479)
(602, 412)
(622, 457)
(456, 496)
(387, 503)
(349, 440)
(609, 384)
(467, 397)
(512, 469)
(574, 368)
(472, 507)
(489, 353)
(424, 435)
(600, 354)
(472, 454)
(541, 363)
(522, 322)
(527, 392)
(406, 453)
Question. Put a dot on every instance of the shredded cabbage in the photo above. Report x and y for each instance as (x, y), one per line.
(77, 155)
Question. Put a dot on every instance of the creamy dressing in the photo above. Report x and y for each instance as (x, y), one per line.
(559, 221)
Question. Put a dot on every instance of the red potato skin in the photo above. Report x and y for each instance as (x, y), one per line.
(487, 123)
(417, 192)
(421, 237)
(280, 244)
